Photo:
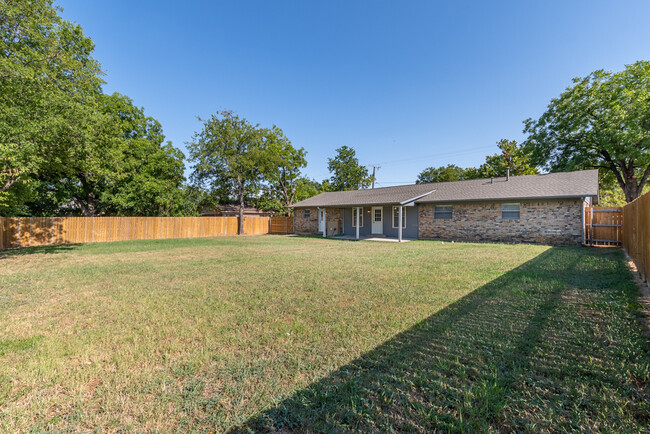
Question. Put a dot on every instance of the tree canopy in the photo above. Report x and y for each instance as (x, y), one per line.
(602, 121)
(450, 172)
(65, 147)
(229, 157)
(47, 77)
(282, 173)
(147, 175)
(234, 158)
(347, 173)
(512, 156)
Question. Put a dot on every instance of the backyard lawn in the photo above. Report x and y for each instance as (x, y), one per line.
(305, 334)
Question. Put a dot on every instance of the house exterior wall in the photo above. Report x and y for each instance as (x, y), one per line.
(364, 229)
(305, 226)
(411, 230)
(554, 222)
(334, 221)
(309, 225)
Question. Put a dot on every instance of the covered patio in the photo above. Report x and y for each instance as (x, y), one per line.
(382, 214)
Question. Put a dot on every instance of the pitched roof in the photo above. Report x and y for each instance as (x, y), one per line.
(375, 196)
(551, 185)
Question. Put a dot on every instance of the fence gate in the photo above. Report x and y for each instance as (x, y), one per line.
(281, 225)
(603, 226)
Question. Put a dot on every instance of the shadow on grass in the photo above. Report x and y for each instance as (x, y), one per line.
(59, 248)
(551, 345)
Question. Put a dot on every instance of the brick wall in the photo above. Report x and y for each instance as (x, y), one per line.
(556, 222)
(305, 226)
(309, 225)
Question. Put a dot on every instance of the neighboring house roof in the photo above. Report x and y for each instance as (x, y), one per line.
(232, 210)
(582, 183)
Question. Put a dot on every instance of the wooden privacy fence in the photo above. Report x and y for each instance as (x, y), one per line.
(636, 236)
(41, 231)
(281, 225)
(603, 226)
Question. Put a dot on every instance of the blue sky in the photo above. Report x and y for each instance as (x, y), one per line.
(407, 84)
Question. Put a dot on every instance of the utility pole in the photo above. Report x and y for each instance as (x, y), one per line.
(374, 168)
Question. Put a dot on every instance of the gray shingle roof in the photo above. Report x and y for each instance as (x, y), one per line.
(377, 196)
(551, 185)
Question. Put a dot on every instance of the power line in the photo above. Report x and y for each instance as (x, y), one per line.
(446, 154)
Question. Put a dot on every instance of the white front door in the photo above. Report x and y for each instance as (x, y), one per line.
(377, 220)
(321, 220)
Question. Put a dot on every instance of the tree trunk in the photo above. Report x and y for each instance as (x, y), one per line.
(626, 178)
(632, 190)
(240, 230)
(87, 207)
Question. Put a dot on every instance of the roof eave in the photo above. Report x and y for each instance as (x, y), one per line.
(413, 199)
(572, 196)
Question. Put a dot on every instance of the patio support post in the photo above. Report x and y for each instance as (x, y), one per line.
(358, 212)
(399, 225)
(324, 223)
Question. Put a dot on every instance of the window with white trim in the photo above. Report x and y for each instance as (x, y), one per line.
(510, 211)
(396, 216)
(306, 214)
(442, 212)
(354, 217)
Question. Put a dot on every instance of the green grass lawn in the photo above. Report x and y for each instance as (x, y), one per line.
(305, 334)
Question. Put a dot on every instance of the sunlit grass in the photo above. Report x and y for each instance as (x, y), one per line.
(312, 334)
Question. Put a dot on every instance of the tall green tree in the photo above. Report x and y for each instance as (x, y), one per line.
(48, 79)
(145, 174)
(450, 172)
(229, 157)
(121, 166)
(306, 188)
(512, 156)
(602, 121)
(282, 169)
(347, 173)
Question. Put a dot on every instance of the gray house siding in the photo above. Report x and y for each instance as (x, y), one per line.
(411, 230)
(364, 229)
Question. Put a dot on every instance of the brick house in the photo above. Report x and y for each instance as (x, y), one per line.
(541, 209)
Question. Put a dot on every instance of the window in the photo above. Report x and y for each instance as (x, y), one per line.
(306, 213)
(354, 217)
(396, 216)
(510, 211)
(442, 212)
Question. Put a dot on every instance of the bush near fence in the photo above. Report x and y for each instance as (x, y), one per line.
(636, 232)
(42, 231)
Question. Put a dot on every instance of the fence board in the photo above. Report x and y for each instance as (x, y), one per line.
(604, 225)
(636, 233)
(281, 225)
(40, 231)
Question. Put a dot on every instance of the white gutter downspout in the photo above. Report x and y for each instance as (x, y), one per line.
(399, 225)
(584, 234)
(358, 212)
